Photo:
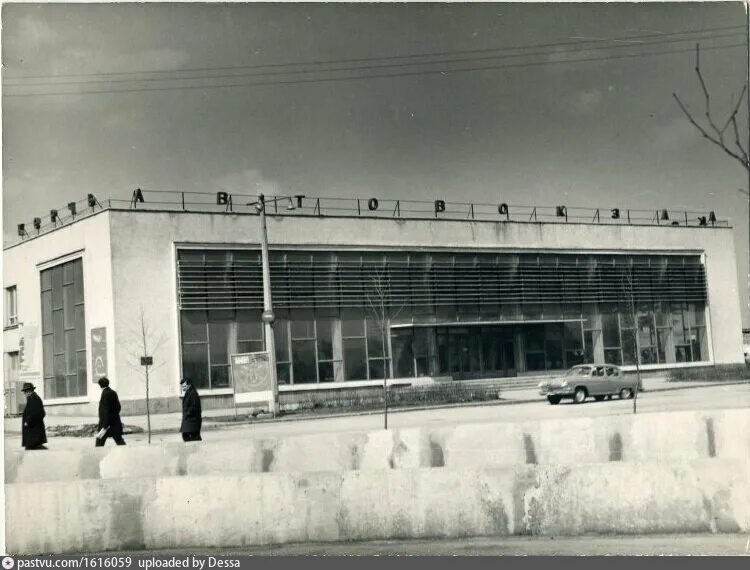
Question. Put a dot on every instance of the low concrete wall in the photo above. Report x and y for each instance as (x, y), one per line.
(680, 436)
(274, 508)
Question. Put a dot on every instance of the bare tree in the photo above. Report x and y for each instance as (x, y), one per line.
(628, 290)
(711, 131)
(380, 306)
(150, 342)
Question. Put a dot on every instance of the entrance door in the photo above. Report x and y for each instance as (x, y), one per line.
(554, 354)
(509, 357)
(498, 357)
(463, 350)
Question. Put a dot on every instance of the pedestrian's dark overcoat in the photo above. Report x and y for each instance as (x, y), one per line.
(109, 412)
(33, 432)
(191, 411)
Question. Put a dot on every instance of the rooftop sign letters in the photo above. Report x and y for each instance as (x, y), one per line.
(299, 204)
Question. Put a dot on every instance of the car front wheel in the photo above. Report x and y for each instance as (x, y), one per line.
(580, 395)
(554, 400)
(626, 393)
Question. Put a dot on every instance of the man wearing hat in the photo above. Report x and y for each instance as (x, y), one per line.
(33, 433)
(191, 412)
(109, 415)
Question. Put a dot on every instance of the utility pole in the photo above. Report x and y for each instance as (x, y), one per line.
(268, 316)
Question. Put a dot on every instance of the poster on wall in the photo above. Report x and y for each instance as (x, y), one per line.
(98, 353)
(29, 368)
(252, 380)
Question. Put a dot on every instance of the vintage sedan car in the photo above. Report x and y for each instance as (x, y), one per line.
(597, 380)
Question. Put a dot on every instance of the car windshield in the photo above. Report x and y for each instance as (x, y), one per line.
(578, 372)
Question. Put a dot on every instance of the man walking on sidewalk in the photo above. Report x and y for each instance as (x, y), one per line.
(109, 415)
(191, 412)
(33, 432)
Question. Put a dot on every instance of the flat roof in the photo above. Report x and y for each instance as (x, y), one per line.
(222, 203)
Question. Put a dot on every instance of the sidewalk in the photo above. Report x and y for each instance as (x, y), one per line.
(170, 423)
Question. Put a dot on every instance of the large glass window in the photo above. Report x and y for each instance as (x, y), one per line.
(209, 338)
(355, 348)
(63, 331)
(222, 342)
(681, 333)
(249, 332)
(535, 355)
(355, 358)
(326, 329)
(647, 338)
(402, 341)
(283, 355)
(573, 340)
(329, 359)
(611, 333)
(304, 356)
(377, 350)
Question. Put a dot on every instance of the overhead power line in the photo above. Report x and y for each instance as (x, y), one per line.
(547, 52)
(577, 41)
(415, 73)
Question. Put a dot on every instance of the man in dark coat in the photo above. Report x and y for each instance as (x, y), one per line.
(33, 433)
(109, 415)
(191, 412)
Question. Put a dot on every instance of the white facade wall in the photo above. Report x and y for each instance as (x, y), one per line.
(88, 239)
(129, 263)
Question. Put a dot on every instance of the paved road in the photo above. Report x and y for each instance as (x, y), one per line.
(711, 397)
(709, 544)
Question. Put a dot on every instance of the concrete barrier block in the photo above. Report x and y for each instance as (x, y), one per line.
(82, 516)
(225, 458)
(375, 452)
(497, 502)
(618, 498)
(409, 448)
(731, 433)
(279, 511)
(724, 487)
(315, 452)
(649, 437)
(496, 444)
(364, 511)
(568, 441)
(400, 495)
(204, 512)
(12, 462)
(446, 502)
(666, 437)
(710, 495)
(33, 466)
(315, 504)
(141, 461)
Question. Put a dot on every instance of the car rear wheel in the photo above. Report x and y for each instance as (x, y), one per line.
(626, 393)
(598, 398)
(554, 400)
(580, 395)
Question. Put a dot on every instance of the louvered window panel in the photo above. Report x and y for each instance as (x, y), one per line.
(309, 280)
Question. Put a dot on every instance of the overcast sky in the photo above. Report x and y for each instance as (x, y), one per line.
(597, 133)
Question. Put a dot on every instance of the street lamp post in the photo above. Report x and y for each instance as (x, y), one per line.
(268, 316)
